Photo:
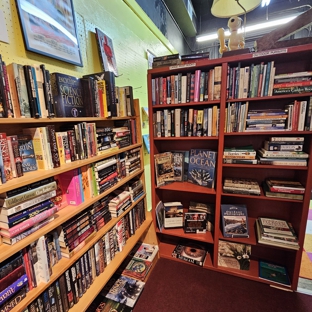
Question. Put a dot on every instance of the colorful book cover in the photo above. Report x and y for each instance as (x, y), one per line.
(71, 185)
(195, 222)
(234, 255)
(173, 214)
(67, 96)
(27, 152)
(192, 253)
(125, 290)
(163, 168)
(144, 251)
(13, 289)
(160, 215)
(178, 165)
(202, 165)
(136, 268)
(234, 220)
(6, 157)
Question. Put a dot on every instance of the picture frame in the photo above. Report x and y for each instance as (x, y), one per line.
(106, 50)
(49, 28)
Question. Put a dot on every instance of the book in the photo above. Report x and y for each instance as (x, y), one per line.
(178, 165)
(15, 300)
(164, 172)
(27, 152)
(5, 155)
(282, 161)
(106, 51)
(275, 226)
(234, 255)
(234, 220)
(13, 289)
(285, 186)
(195, 222)
(124, 290)
(135, 268)
(268, 193)
(201, 169)
(144, 251)
(273, 272)
(160, 215)
(282, 154)
(67, 96)
(191, 252)
(173, 214)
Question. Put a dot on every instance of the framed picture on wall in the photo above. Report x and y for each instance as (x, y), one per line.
(106, 50)
(49, 28)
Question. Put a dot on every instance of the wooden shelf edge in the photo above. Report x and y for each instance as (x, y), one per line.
(62, 216)
(99, 281)
(37, 175)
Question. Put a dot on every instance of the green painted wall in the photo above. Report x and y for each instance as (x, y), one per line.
(130, 29)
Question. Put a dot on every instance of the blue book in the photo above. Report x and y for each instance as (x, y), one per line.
(146, 142)
(202, 167)
(234, 220)
(27, 152)
(267, 79)
(10, 291)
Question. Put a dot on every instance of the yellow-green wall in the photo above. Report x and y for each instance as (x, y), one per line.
(132, 34)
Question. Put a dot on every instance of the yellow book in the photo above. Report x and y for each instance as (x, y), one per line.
(214, 120)
(60, 147)
(102, 87)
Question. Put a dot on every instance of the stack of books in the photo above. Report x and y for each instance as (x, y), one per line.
(240, 155)
(206, 208)
(241, 186)
(136, 189)
(120, 203)
(105, 139)
(283, 189)
(122, 136)
(13, 281)
(283, 151)
(266, 120)
(166, 60)
(292, 83)
(132, 160)
(276, 232)
(26, 209)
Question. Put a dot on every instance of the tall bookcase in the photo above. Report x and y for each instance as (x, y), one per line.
(287, 60)
(144, 233)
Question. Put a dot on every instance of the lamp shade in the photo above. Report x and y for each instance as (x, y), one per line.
(228, 8)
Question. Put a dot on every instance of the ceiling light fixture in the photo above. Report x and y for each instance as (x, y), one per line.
(248, 29)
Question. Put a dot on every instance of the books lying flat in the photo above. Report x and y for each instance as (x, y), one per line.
(285, 186)
(282, 154)
(274, 273)
(282, 161)
(268, 193)
(192, 253)
(241, 186)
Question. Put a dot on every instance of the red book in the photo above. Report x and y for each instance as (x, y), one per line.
(6, 157)
(164, 90)
(293, 84)
(12, 277)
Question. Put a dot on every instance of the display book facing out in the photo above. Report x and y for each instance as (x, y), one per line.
(291, 209)
(68, 213)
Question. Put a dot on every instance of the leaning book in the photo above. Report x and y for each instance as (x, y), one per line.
(234, 220)
(202, 165)
(234, 255)
(274, 273)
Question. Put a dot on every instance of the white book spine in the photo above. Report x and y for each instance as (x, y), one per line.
(43, 265)
(183, 89)
(177, 122)
(302, 113)
(166, 122)
(209, 121)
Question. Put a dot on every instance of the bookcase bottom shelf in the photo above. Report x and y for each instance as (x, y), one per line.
(99, 281)
(165, 251)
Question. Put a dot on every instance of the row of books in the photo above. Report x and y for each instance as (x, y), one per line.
(180, 122)
(177, 59)
(279, 188)
(32, 91)
(196, 86)
(196, 166)
(285, 151)
(44, 148)
(28, 208)
(296, 116)
(34, 265)
(237, 256)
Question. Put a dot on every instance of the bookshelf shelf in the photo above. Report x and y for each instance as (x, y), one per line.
(294, 211)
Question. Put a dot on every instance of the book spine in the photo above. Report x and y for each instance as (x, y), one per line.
(30, 222)
(53, 146)
(69, 289)
(12, 277)
(6, 89)
(74, 283)
(62, 284)
(10, 291)
(14, 301)
(6, 156)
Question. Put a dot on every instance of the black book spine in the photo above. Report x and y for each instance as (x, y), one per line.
(31, 91)
(72, 144)
(47, 91)
(10, 111)
(3, 103)
(52, 298)
(59, 303)
(62, 283)
(53, 146)
(87, 270)
(83, 275)
(46, 301)
(40, 304)
(73, 276)
(79, 279)
(69, 289)
(87, 95)
(109, 78)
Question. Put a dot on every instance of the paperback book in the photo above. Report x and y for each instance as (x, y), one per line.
(202, 164)
(195, 222)
(164, 168)
(173, 214)
(144, 251)
(192, 253)
(274, 273)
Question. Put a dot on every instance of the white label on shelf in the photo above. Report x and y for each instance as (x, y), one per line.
(271, 52)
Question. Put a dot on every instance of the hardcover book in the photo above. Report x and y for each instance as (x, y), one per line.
(274, 273)
(178, 165)
(173, 214)
(163, 168)
(135, 268)
(125, 290)
(202, 165)
(160, 215)
(195, 222)
(234, 255)
(234, 220)
(192, 253)
(67, 96)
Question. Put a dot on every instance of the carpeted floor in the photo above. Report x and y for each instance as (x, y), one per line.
(179, 287)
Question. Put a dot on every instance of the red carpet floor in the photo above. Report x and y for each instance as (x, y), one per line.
(179, 287)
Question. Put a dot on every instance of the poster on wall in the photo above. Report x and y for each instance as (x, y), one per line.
(49, 28)
(106, 50)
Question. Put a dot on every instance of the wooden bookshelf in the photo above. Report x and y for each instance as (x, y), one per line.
(292, 59)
